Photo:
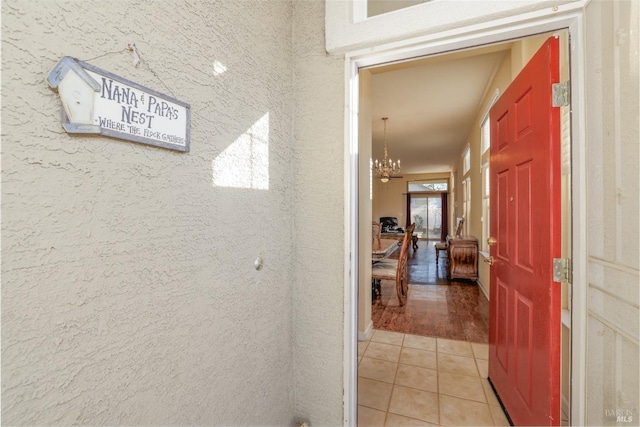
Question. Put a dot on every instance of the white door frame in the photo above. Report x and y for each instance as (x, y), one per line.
(464, 38)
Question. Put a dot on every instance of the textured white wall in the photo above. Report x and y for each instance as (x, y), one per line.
(613, 132)
(319, 220)
(128, 289)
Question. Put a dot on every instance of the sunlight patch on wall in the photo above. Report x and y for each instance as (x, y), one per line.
(218, 68)
(245, 163)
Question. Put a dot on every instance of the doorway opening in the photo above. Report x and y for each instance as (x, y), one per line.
(426, 210)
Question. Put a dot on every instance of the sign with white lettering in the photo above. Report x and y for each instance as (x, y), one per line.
(96, 101)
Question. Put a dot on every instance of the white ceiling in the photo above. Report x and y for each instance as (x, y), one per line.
(432, 105)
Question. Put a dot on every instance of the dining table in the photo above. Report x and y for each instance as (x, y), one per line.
(400, 236)
(382, 248)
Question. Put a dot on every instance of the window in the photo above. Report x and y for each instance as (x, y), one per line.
(484, 246)
(431, 185)
(466, 161)
(485, 128)
(485, 135)
(426, 213)
(466, 202)
(452, 196)
(485, 144)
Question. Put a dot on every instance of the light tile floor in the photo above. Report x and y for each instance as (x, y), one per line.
(411, 380)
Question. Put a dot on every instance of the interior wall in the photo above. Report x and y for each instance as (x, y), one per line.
(612, 120)
(129, 294)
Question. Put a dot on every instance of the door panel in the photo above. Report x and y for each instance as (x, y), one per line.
(502, 127)
(523, 115)
(502, 213)
(524, 331)
(502, 325)
(523, 217)
(523, 346)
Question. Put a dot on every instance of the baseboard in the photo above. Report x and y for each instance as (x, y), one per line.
(484, 291)
(366, 335)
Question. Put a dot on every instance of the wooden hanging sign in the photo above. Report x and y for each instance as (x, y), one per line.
(98, 102)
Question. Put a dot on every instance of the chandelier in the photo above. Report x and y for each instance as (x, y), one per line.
(387, 167)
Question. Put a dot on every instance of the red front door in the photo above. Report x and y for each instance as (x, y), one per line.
(524, 332)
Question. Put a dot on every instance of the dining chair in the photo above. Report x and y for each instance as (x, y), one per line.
(396, 269)
(376, 230)
(443, 246)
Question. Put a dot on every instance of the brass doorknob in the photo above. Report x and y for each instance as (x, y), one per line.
(489, 260)
(491, 241)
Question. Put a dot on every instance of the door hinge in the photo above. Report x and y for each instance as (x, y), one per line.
(562, 270)
(560, 94)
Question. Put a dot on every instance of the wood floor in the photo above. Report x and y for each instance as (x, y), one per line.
(435, 307)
